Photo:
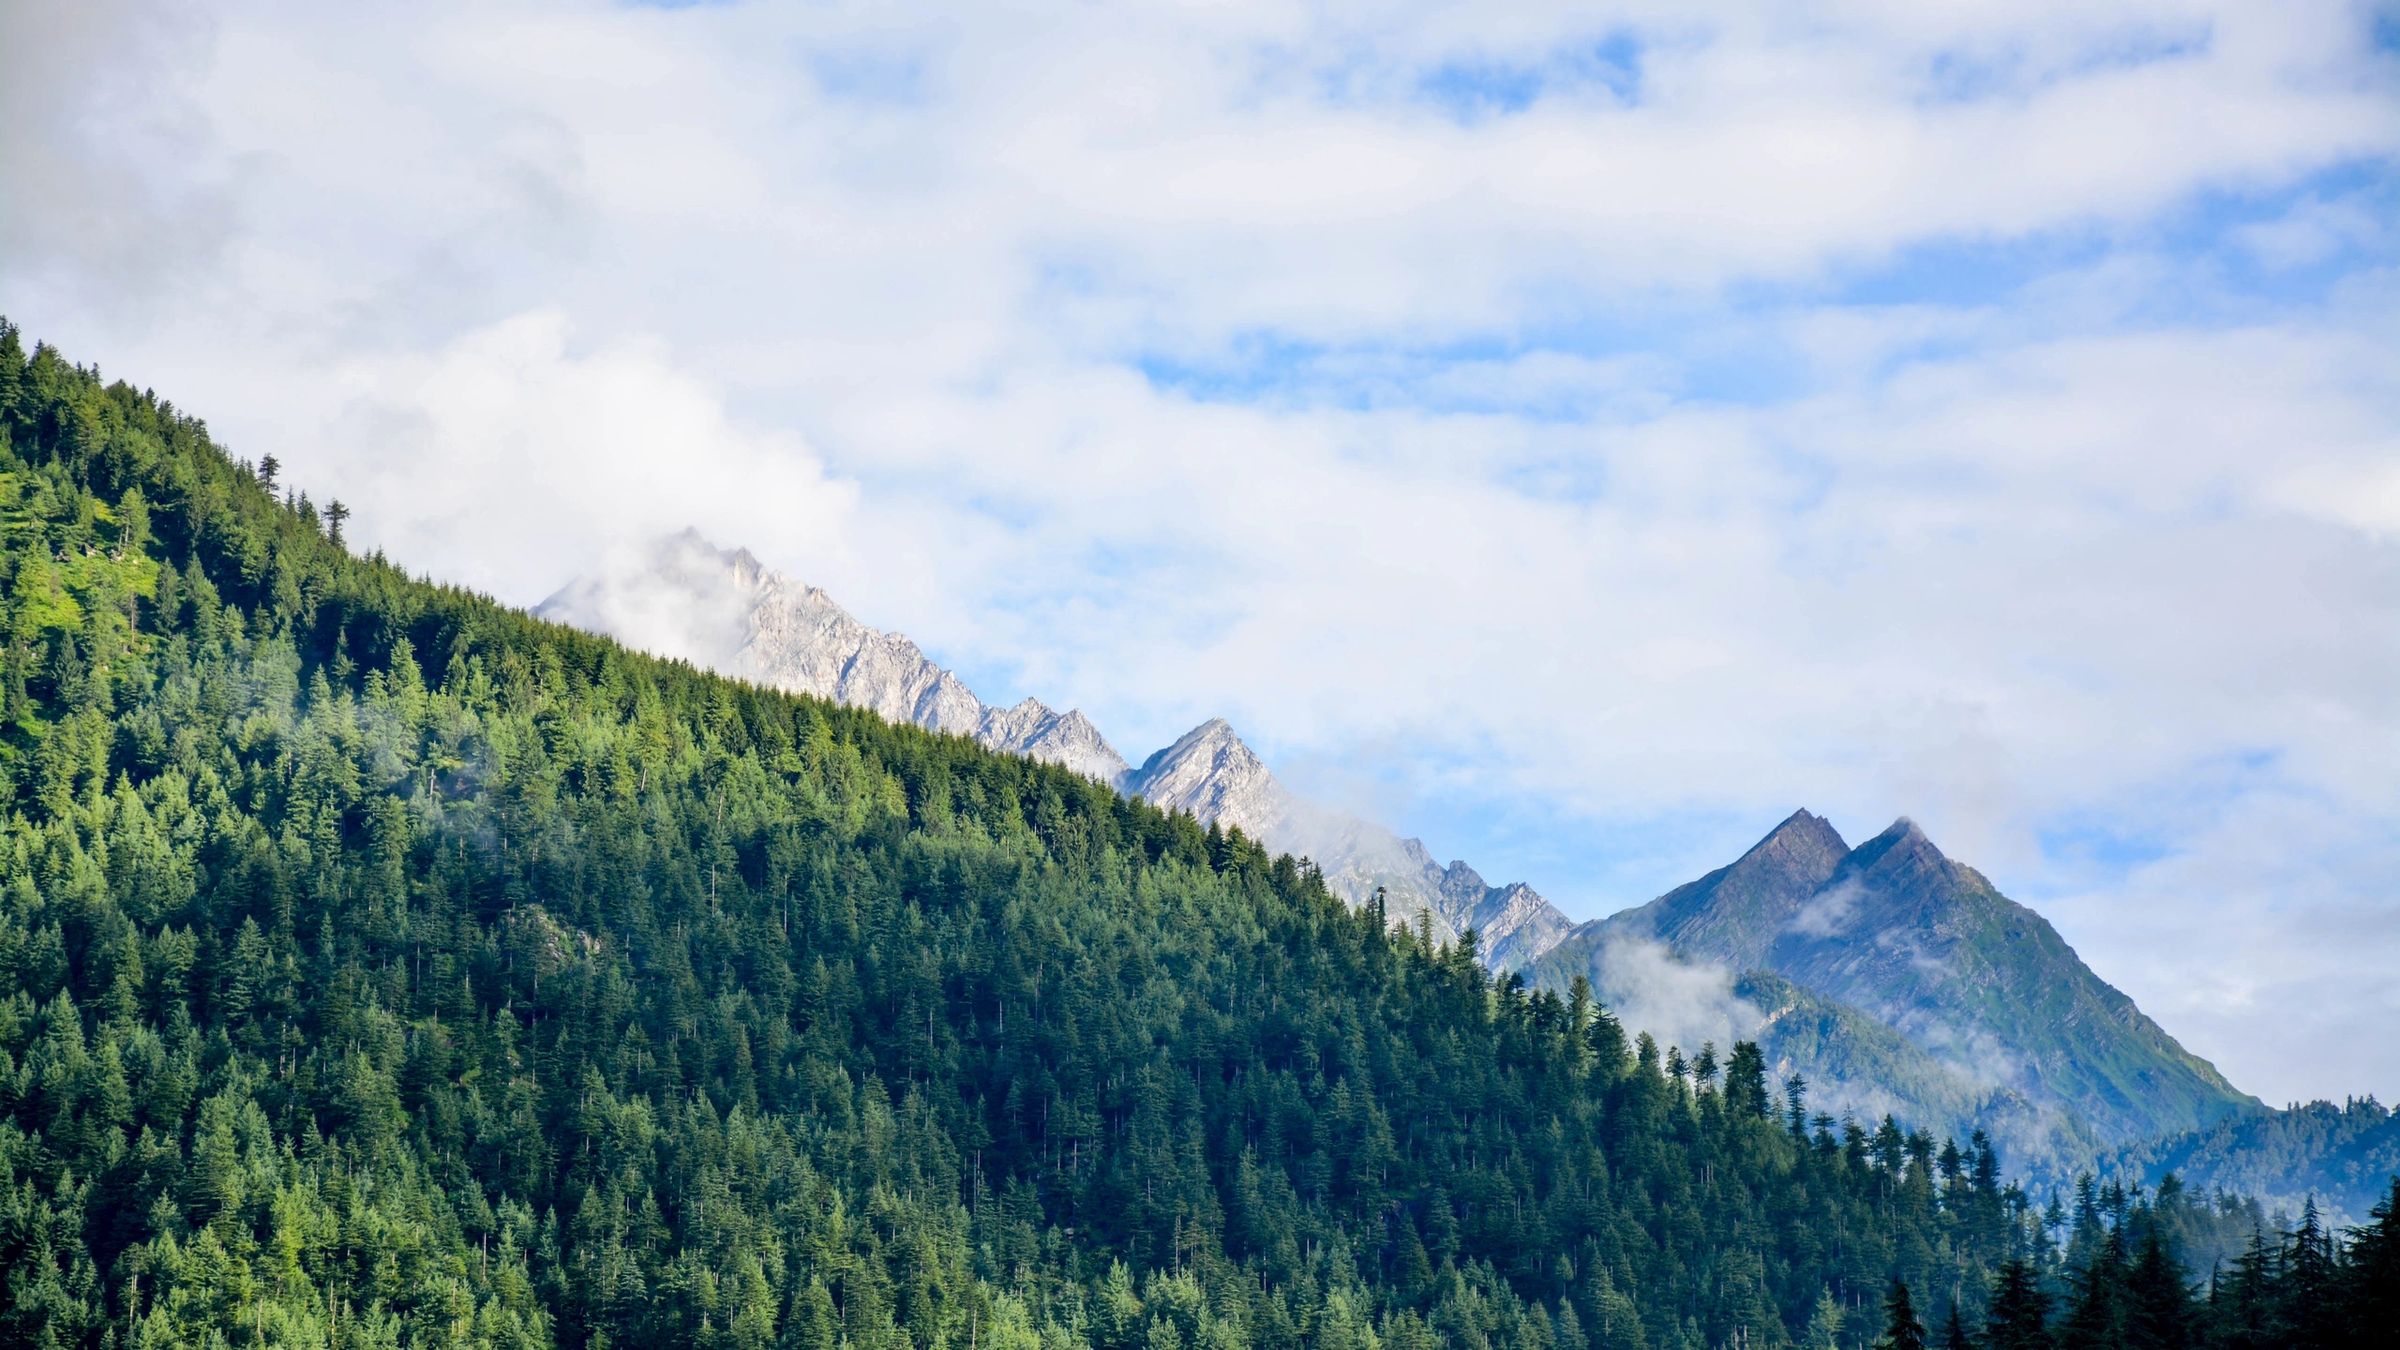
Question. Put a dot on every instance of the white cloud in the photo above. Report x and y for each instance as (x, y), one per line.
(518, 280)
(585, 448)
(1680, 1003)
(1829, 911)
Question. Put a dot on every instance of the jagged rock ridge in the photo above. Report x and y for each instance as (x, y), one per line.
(683, 596)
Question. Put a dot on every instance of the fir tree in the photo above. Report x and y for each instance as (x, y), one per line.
(2096, 1310)
(1901, 1329)
(1954, 1331)
(2020, 1310)
(2160, 1315)
(2372, 1278)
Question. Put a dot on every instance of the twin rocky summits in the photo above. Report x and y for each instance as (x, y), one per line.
(1889, 976)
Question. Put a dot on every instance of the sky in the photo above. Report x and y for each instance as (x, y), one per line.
(1577, 436)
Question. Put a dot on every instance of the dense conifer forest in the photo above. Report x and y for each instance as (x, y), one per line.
(380, 966)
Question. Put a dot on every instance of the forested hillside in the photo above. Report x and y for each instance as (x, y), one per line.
(379, 966)
(2341, 1157)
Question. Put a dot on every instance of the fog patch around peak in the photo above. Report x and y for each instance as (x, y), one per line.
(1679, 1002)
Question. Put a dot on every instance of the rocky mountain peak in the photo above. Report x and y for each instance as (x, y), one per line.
(1919, 954)
(1900, 858)
(1804, 842)
(1212, 774)
(684, 596)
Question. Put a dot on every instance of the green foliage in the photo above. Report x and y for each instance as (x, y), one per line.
(379, 966)
(2341, 1157)
(1901, 1329)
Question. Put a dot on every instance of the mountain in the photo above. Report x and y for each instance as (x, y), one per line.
(684, 597)
(1893, 978)
(1211, 774)
(2010, 1025)
(380, 966)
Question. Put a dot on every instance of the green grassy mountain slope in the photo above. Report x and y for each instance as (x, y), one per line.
(379, 966)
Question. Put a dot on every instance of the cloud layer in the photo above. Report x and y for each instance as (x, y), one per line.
(1583, 437)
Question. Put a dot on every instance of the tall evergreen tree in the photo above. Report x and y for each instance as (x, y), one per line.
(2160, 1313)
(1955, 1335)
(1901, 1329)
(2244, 1311)
(2020, 1310)
(2097, 1313)
(2371, 1280)
(2307, 1316)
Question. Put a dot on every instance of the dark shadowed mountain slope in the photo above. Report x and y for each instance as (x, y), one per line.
(1735, 914)
(1896, 934)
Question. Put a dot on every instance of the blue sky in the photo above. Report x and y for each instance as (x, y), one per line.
(1577, 437)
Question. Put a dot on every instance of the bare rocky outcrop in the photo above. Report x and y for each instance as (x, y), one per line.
(685, 597)
(682, 596)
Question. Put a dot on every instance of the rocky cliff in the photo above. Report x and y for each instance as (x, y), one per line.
(685, 597)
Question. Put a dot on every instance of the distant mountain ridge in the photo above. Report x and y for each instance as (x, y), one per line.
(1891, 977)
(1210, 773)
(723, 609)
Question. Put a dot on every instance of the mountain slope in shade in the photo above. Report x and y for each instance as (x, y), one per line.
(1930, 946)
(723, 609)
(1736, 913)
(1900, 935)
(1859, 1066)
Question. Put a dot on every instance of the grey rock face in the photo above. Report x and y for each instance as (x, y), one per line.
(686, 598)
(1515, 923)
(1214, 776)
(1211, 775)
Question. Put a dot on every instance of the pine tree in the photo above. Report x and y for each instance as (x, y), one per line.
(2160, 1315)
(2020, 1311)
(2371, 1277)
(1901, 1329)
(2096, 1311)
(1824, 1331)
(2307, 1315)
(2243, 1310)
